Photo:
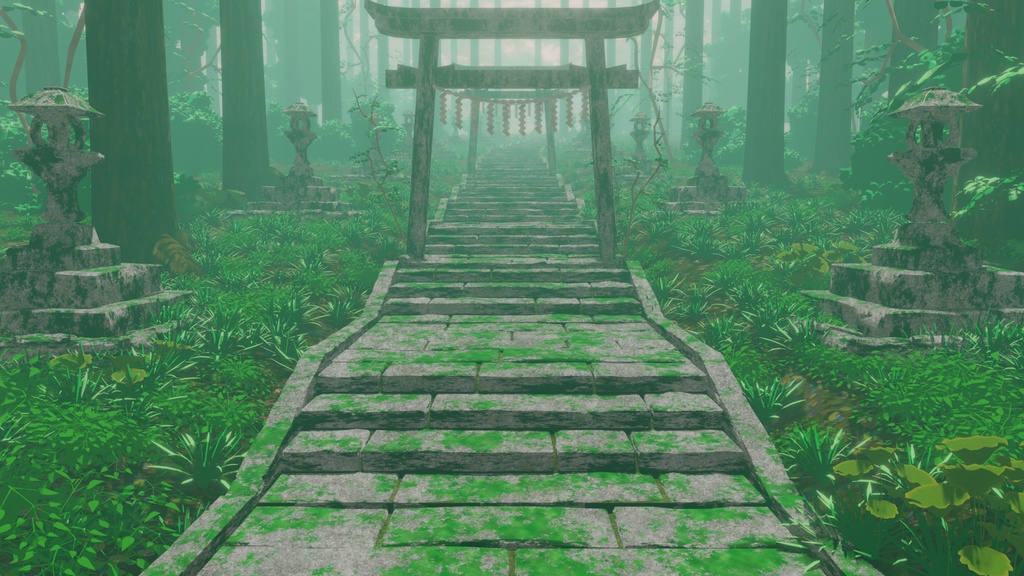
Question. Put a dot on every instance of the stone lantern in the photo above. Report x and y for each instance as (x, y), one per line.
(708, 189)
(924, 278)
(60, 159)
(933, 156)
(408, 118)
(66, 287)
(640, 131)
(301, 136)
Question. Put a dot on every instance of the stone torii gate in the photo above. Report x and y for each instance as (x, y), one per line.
(592, 25)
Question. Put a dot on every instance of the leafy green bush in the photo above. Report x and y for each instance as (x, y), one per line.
(196, 132)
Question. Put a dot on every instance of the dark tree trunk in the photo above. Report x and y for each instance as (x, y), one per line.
(996, 131)
(42, 62)
(832, 149)
(693, 50)
(666, 77)
(330, 59)
(716, 19)
(246, 156)
(766, 95)
(916, 21)
(132, 189)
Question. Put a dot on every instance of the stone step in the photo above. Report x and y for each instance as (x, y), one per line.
(511, 228)
(114, 319)
(512, 451)
(434, 248)
(468, 202)
(512, 306)
(508, 262)
(89, 256)
(468, 239)
(78, 289)
(476, 217)
(512, 290)
(526, 210)
(533, 275)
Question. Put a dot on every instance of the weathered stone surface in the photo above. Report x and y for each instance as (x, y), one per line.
(726, 527)
(325, 451)
(594, 451)
(616, 377)
(441, 377)
(539, 412)
(521, 527)
(395, 411)
(351, 490)
(688, 451)
(567, 489)
(708, 562)
(685, 411)
(546, 378)
(719, 489)
(397, 561)
(458, 451)
(309, 527)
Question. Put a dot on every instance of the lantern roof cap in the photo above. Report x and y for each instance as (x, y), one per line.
(933, 101)
(640, 117)
(54, 98)
(299, 110)
(708, 110)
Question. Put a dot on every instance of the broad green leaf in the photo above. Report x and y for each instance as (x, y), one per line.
(82, 560)
(973, 449)
(881, 509)
(853, 468)
(878, 455)
(937, 496)
(985, 561)
(126, 542)
(976, 479)
(914, 475)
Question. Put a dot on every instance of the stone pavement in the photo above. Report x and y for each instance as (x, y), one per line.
(510, 405)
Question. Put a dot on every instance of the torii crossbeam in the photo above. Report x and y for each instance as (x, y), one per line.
(592, 25)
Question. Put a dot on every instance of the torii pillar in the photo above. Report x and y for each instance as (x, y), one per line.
(600, 138)
(549, 128)
(422, 149)
(474, 134)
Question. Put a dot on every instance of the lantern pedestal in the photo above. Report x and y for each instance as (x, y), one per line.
(925, 278)
(66, 288)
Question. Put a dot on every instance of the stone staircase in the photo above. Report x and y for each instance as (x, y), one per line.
(510, 409)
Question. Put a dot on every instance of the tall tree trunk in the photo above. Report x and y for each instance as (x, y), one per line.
(832, 149)
(42, 62)
(330, 59)
(132, 189)
(497, 43)
(213, 86)
(474, 44)
(364, 44)
(538, 45)
(646, 46)
(610, 44)
(246, 155)
(716, 19)
(666, 77)
(916, 21)
(995, 130)
(563, 47)
(766, 95)
(693, 53)
(383, 59)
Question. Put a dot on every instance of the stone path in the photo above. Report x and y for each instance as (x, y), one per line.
(510, 405)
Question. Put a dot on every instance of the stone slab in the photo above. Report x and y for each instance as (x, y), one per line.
(539, 412)
(520, 527)
(725, 527)
(685, 411)
(688, 451)
(564, 489)
(325, 451)
(346, 490)
(296, 561)
(705, 489)
(545, 378)
(594, 451)
(309, 527)
(662, 562)
(459, 451)
(370, 411)
(449, 377)
(618, 377)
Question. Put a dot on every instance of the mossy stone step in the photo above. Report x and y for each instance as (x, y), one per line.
(513, 227)
(475, 209)
(507, 262)
(512, 239)
(538, 412)
(542, 275)
(495, 216)
(391, 411)
(340, 559)
(500, 526)
(459, 451)
(725, 527)
(688, 562)
(512, 306)
(512, 290)
(78, 289)
(355, 490)
(114, 319)
(436, 248)
(547, 489)
(688, 451)
(303, 526)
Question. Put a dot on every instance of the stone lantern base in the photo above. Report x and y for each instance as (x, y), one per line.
(704, 198)
(908, 288)
(65, 285)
